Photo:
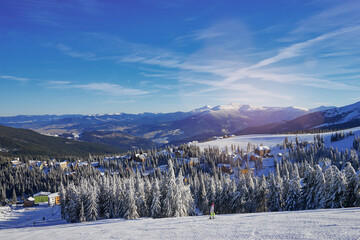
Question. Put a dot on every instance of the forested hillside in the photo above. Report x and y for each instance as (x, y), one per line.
(14, 141)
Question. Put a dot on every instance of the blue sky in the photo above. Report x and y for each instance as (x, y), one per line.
(107, 56)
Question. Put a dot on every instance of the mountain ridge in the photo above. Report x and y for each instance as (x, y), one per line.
(175, 127)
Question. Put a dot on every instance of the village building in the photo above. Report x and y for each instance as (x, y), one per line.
(255, 157)
(262, 150)
(191, 161)
(179, 154)
(15, 162)
(225, 168)
(41, 197)
(29, 202)
(63, 165)
(54, 199)
(247, 171)
(140, 158)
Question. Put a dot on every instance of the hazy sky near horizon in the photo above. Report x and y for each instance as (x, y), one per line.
(106, 56)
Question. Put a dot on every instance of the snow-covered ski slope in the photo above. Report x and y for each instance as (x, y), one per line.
(310, 224)
(272, 140)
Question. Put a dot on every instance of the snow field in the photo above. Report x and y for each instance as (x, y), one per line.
(311, 224)
(273, 140)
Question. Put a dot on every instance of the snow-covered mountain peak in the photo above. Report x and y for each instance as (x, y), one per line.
(299, 108)
(232, 106)
(204, 108)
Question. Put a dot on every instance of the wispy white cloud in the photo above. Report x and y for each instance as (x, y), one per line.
(19, 79)
(296, 49)
(341, 14)
(70, 52)
(102, 88)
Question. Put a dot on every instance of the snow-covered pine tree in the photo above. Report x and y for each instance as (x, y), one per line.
(319, 187)
(351, 182)
(292, 202)
(130, 204)
(140, 197)
(211, 190)
(308, 189)
(170, 199)
(203, 199)
(274, 195)
(14, 197)
(81, 213)
(156, 200)
(285, 183)
(119, 198)
(180, 208)
(148, 195)
(329, 175)
(111, 199)
(250, 205)
(73, 203)
(91, 204)
(357, 191)
(62, 194)
(226, 195)
(261, 193)
(2, 193)
(338, 189)
(103, 198)
(187, 198)
(239, 199)
(195, 189)
(279, 181)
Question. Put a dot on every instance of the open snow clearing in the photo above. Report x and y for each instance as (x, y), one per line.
(340, 223)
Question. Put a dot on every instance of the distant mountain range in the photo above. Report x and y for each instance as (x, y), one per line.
(151, 129)
(330, 118)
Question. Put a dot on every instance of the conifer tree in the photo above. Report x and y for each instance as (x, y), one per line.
(338, 189)
(261, 194)
(203, 199)
(130, 204)
(156, 198)
(170, 197)
(274, 195)
(62, 195)
(351, 182)
(308, 189)
(14, 197)
(319, 187)
(82, 214)
(292, 202)
(91, 206)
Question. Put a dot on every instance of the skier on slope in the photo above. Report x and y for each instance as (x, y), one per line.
(212, 211)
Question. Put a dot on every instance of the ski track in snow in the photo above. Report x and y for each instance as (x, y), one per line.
(310, 224)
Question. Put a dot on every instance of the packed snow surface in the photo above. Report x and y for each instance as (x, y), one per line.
(311, 224)
(272, 140)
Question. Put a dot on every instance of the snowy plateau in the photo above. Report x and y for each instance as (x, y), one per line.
(311, 224)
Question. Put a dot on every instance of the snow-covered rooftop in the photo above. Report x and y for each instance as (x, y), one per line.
(42, 194)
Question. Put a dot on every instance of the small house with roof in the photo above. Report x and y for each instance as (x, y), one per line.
(29, 202)
(54, 199)
(255, 157)
(262, 150)
(41, 197)
(179, 154)
(225, 168)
